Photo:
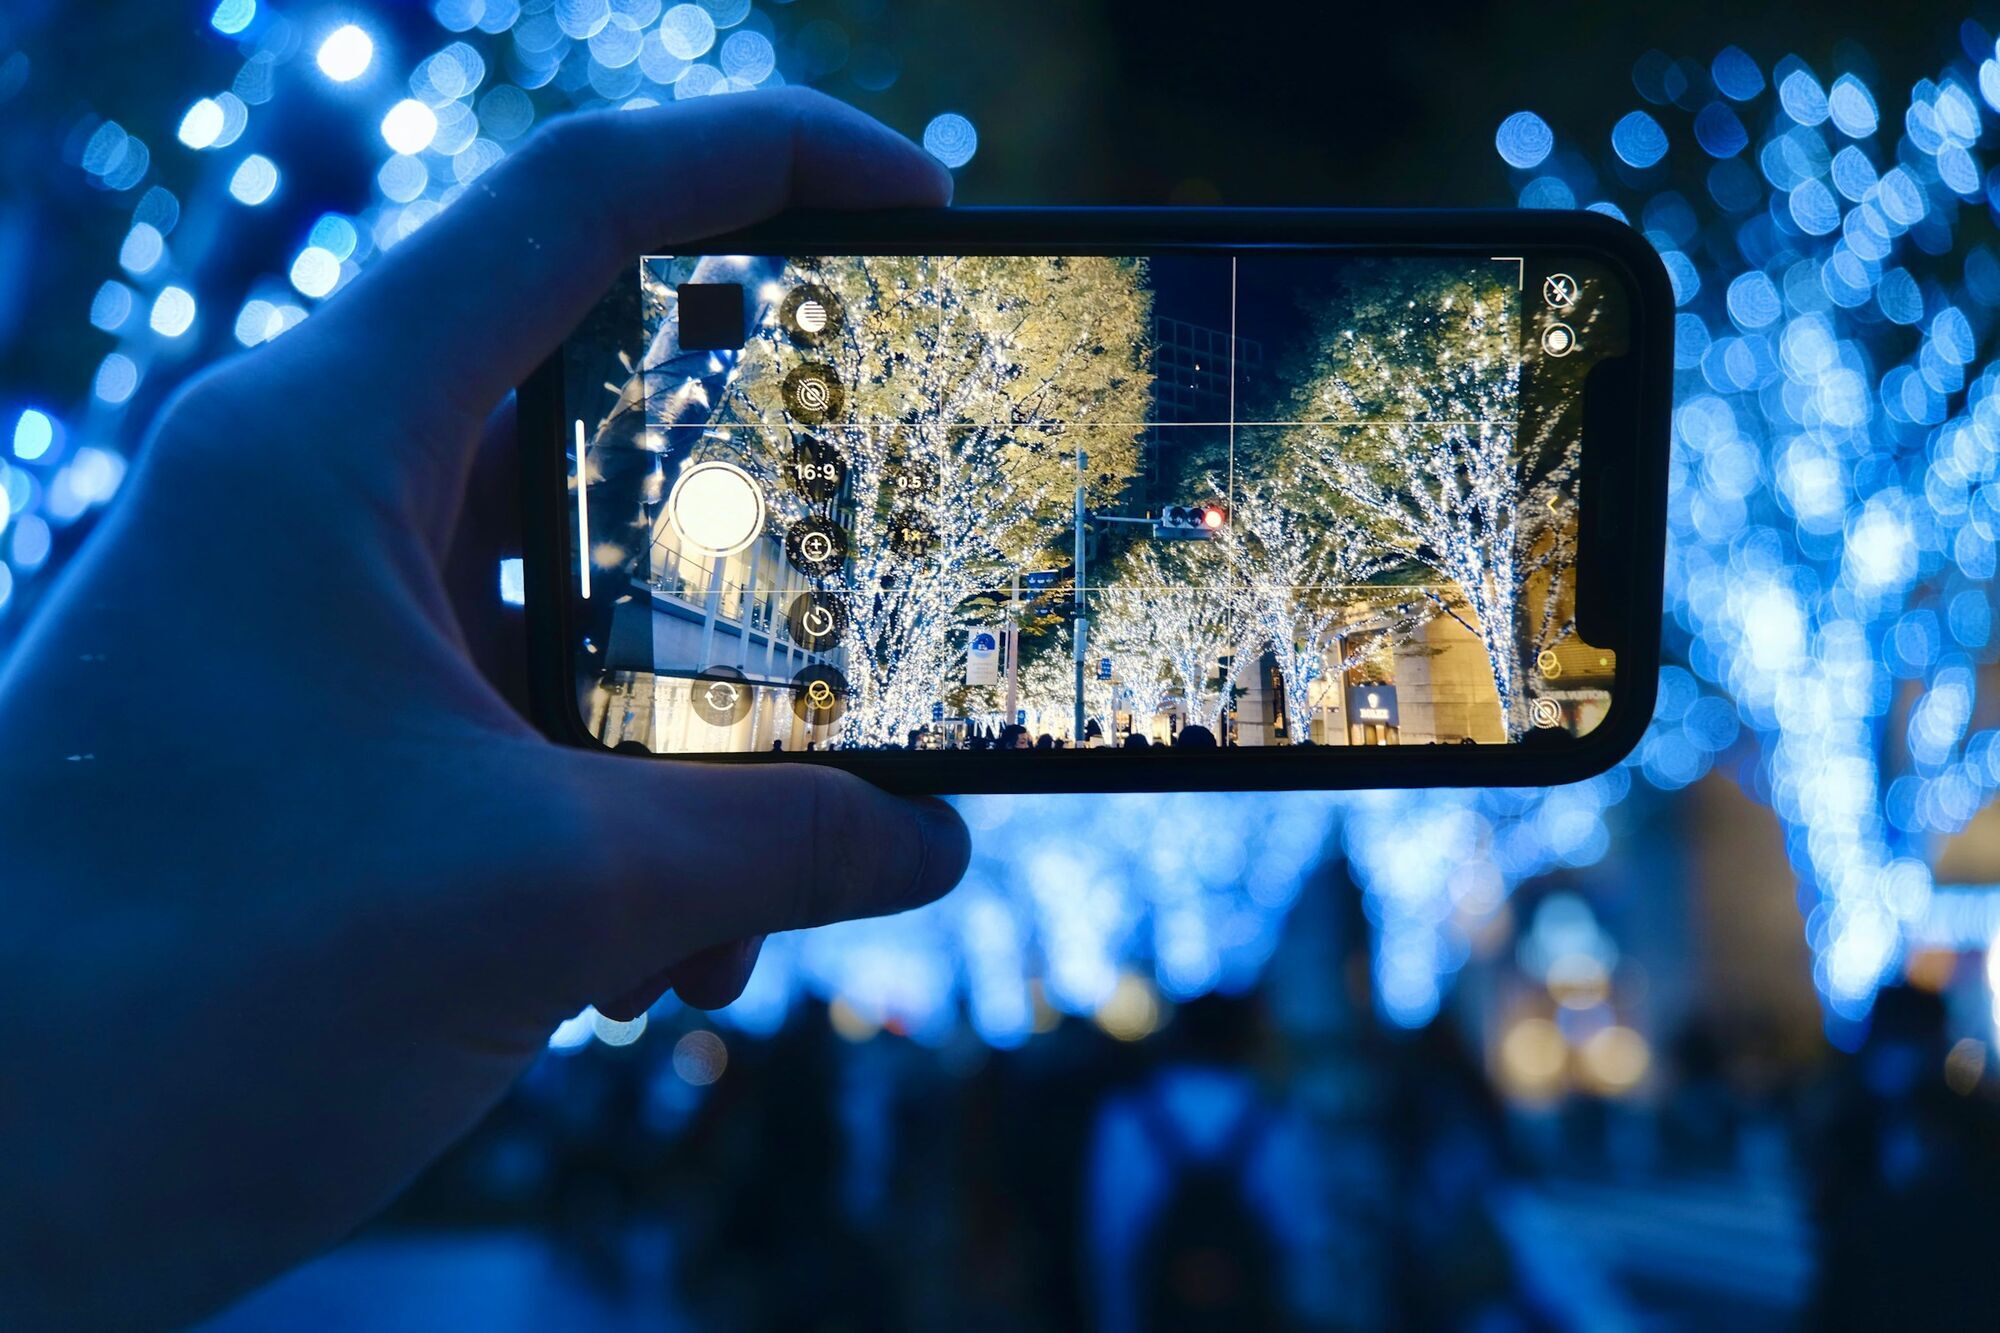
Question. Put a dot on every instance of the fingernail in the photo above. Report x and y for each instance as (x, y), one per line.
(946, 849)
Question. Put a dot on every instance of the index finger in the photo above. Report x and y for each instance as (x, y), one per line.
(464, 309)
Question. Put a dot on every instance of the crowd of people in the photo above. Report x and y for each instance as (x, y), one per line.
(1221, 1174)
(1017, 736)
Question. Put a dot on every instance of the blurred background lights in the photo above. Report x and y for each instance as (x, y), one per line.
(573, 1033)
(1736, 75)
(202, 125)
(1547, 192)
(1852, 107)
(1639, 140)
(235, 119)
(1131, 1011)
(1718, 130)
(335, 234)
(173, 312)
(616, 1032)
(31, 542)
(117, 159)
(142, 249)
(700, 1057)
(951, 139)
(111, 307)
(92, 476)
(1833, 539)
(729, 13)
(316, 271)
(117, 378)
(233, 16)
(402, 179)
(254, 323)
(748, 57)
(345, 53)
(409, 127)
(1613, 1060)
(254, 180)
(1802, 98)
(1524, 140)
(34, 432)
(1533, 1058)
(687, 32)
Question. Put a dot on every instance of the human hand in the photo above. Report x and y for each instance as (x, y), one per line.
(294, 891)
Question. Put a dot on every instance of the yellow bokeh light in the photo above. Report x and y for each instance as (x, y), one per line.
(1614, 1059)
(1131, 1011)
(1533, 1057)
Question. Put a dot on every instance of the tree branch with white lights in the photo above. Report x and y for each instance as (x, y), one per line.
(969, 384)
(1413, 425)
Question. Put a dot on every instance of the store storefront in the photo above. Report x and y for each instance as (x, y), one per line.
(1373, 717)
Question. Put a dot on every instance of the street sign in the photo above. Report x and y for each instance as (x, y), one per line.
(1043, 579)
(1020, 717)
(1104, 668)
(937, 712)
(982, 658)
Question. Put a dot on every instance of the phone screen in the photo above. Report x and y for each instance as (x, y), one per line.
(1197, 499)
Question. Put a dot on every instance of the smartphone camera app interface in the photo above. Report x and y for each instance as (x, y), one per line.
(1190, 500)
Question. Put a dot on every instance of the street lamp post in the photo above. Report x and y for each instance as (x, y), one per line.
(1079, 633)
(1011, 650)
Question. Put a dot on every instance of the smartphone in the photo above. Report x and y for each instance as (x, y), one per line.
(984, 500)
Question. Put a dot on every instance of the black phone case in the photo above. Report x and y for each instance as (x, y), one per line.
(1630, 545)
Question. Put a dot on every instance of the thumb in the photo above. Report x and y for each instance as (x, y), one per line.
(703, 855)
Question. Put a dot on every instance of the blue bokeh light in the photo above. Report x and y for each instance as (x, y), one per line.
(951, 139)
(254, 181)
(1802, 98)
(1639, 140)
(1719, 131)
(233, 16)
(34, 433)
(1736, 75)
(1524, 139)
(1852, 107)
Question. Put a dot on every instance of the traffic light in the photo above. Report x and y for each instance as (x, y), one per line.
(1191, 522)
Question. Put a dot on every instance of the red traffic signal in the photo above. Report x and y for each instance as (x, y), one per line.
(1191, 522)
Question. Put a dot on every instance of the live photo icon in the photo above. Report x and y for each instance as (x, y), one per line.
(711, 315)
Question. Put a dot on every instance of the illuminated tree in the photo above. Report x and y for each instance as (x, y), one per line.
(1121, 629)
(969, 383)
(1313, 581)
(1180, 614)
(1413, 410)
(1048, 686)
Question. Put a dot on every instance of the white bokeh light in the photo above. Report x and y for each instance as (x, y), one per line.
(346, 53)
(173, 311)
(409, 127)
(255, 180)
(202, 125)
(315, 271)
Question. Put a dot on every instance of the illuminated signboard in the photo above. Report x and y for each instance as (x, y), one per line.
(1372, 704)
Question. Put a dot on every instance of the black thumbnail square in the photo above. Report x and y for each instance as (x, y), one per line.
(711, 315)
